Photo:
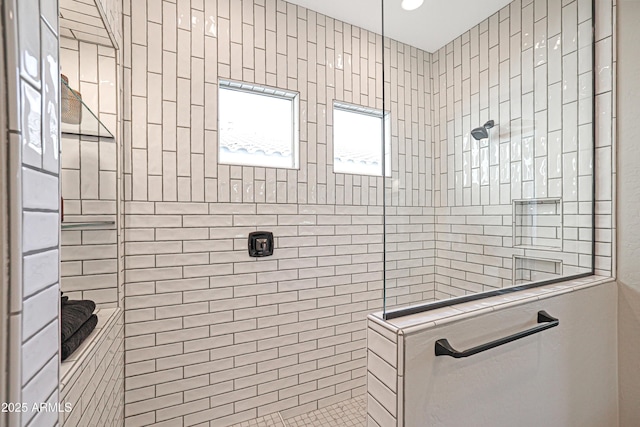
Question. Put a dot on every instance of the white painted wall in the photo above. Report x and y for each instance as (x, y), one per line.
(565, 376)
(628, 223)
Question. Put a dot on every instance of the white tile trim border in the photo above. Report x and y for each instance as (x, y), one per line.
(428, 319)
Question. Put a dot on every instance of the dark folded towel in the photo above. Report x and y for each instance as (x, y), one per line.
(72, 344)
(73, 315)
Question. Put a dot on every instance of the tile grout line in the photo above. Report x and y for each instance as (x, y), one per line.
(284, 423)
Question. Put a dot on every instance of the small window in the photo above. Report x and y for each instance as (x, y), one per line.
(358, 135)
(257, 125)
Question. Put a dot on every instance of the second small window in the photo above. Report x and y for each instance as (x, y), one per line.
(361, 140)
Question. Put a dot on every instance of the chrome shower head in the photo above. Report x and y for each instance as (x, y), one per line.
(482, 132)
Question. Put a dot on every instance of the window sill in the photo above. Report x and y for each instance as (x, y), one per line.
(71, 368)
(417, 322)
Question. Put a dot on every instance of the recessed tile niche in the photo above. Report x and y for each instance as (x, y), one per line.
(534, 269)
(537, 224)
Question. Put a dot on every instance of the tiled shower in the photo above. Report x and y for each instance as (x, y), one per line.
(192, 331)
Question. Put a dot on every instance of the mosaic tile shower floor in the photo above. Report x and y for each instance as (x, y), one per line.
(350, 413)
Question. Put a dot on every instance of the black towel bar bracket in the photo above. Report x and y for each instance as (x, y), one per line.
(443, 348)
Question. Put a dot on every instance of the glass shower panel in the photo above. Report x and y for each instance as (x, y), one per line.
(492, 154)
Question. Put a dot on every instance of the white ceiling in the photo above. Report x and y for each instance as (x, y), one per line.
(431, 26)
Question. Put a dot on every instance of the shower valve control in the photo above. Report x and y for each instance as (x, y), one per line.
(260, 244)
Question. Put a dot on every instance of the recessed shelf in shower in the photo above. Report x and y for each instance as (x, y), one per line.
(88, 224)
(527, 269)
(537, 224)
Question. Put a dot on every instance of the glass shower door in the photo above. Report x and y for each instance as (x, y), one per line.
(492, 155)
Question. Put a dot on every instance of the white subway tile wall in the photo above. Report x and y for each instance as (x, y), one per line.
(211, 334)
(385, 406)
(410, 256)
(111, 13)
(285, 333)
(187, 217)
(605, 64)
(31, 42)
(529, 68)
(173, 131)
(89, 167)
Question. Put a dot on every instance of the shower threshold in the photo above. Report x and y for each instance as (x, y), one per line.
(348, 413)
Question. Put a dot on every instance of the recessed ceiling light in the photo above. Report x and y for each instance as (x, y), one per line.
(411, 4)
